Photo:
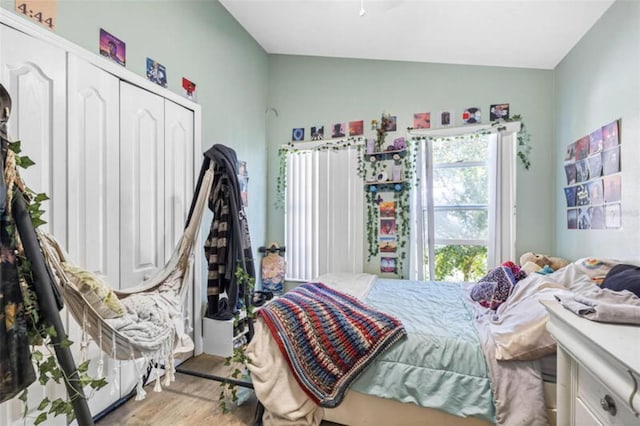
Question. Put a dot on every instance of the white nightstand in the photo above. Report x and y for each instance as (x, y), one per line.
(598, 370)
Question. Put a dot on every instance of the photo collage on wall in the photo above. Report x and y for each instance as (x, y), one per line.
(387, 237)
(594, 180)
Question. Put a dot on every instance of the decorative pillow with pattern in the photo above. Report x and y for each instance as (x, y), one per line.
(494, 288)
(97, 293)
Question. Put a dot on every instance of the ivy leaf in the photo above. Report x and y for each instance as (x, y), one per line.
(37, 356)
(23, 396)
(43, 403)
(66, 343)
(15, 147)
(24, 162)
(41, 197)
(41, 418)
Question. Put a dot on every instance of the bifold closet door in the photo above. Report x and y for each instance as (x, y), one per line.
(34, 74)
(142, 169)
(179, 185)
(94, 191)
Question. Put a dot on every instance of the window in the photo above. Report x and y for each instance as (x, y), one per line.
(324, 212)
(465, 205)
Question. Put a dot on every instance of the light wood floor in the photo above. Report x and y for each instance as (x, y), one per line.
(188, 401)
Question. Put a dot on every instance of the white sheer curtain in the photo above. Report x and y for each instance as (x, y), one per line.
(502, 198)
(324, 214)
(502, 194)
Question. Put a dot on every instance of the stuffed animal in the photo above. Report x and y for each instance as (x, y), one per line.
(542, 260)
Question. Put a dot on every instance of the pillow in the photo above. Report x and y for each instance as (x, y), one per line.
(494, 288)
(519, 326)
(96, 292)
(623, 277)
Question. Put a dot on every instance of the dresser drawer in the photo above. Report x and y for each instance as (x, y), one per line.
(593, 394)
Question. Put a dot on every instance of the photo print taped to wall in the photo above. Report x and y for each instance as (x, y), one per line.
(297, 134)
(112, 47)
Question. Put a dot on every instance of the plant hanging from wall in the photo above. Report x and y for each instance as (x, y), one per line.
(523, 137)
(238, 360)
(378, 180)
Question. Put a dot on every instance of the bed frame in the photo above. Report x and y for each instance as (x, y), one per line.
(358, 409)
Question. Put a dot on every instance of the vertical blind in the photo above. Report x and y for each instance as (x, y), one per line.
(324, 214)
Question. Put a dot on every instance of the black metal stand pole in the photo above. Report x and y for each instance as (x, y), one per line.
(42, 282)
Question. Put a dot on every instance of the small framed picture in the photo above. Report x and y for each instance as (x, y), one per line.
(156, 72)
(112, 47)
(356, 128)
(317, 133)
(338, 130)
(388, 264)
(445, 118)
(189, 89)
(421, 120)
(297, 134)
(499, 112)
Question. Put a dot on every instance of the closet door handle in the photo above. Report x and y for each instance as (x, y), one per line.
(608, 404)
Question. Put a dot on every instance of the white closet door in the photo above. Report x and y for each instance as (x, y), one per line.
(141, 184)
(179, 182)
(34, 73)
(178, 171)
(94, 191)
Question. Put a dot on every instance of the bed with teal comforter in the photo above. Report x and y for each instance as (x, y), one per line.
(441, 363)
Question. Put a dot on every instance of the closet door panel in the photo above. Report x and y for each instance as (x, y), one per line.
(178, 172)
(141, 184)
(93, 208)
(34, 73)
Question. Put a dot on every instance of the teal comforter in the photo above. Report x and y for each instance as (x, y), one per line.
(440, 364)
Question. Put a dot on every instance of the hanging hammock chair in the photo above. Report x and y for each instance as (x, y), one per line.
(143, 321)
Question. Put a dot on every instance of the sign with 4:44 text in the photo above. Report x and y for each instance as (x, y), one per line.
(41, 11)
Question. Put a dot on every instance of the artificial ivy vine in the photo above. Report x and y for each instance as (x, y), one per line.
(41, 335)
(238, 359)
(291, 148)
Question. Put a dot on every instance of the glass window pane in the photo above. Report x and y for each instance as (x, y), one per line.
(460, 186)
(461, 224)
(470, 148)
(459, 262)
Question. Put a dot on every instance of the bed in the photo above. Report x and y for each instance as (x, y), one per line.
(460, 363)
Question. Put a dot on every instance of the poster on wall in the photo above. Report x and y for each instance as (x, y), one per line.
(593, 190)
(156, 72)
(356, 128)
(388, 244)
(44, 12)
(243, 182)
(499, 112)
(388, 264)
(421, 120)
(297, 134)
(189, 89)
(113, 48)
(338, 130)
(317, 133)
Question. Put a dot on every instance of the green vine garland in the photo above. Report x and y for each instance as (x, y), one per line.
(291, 148)
(238, 359)
(40, 335)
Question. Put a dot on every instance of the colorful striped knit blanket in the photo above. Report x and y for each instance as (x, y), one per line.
(328, 338)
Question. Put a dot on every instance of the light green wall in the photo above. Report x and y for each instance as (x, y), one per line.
(201, 41)
(596, 83)
(308, 91)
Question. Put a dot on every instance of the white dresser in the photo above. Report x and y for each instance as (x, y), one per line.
(598, 370)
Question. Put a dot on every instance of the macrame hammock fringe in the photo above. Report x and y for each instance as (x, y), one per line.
(168, 287)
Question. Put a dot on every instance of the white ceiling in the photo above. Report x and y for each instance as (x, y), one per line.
(510, 33)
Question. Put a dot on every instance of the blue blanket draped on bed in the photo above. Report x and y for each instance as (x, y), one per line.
(441, 363)
(328, 338)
